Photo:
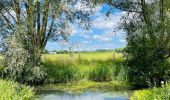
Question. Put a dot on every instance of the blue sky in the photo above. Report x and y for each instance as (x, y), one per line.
(103, 33)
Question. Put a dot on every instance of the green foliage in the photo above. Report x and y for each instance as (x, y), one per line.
(22, 56)
(85, 85)
(84, 66)
(61, 73)
(101, 73)
(120, 72)
(148, 44)
(62, 52)
(119, 50)
(1, 67)
(108, 70)
(10, 90)
(162, 93)
(45, 51)
(19, 64)
(146, 59)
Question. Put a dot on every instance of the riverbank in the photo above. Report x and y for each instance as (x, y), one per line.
(155, 93)
(91, 72)
(10, 90)
(86, 86)
(85, 90)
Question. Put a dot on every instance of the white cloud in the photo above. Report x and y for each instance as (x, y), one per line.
(77, 30)
(86, 42)
(106, 39)
(122, 40)
(97, 36)
(86, 36)
(108, 23)
(106, 32)
(102, 38)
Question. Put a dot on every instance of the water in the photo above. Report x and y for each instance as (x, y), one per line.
(59, 95)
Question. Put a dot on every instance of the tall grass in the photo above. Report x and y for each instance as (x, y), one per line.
(1, 65)
(101, 73)
(10, 90)
(97, 66)
(84, 56)
(161, 93)
(61, 73)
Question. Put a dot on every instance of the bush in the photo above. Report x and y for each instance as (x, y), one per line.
(148, 75)
(147, 58)
(61, 73)
(21, 65)
(120, 72)
(162, 93)
(101, 73)
(10, 90)
(1, 68)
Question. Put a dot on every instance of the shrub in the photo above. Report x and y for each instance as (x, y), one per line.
(120, 72)
(1, 68)
(146, 76)
(101, 73)
(10, 90)
(162, 93)
(61, 73)
(20, 64)
(147, 59)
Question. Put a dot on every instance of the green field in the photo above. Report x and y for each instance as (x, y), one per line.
(83, 66)
(93, 71)
(89, 68)
(87, 71)
(84, 56)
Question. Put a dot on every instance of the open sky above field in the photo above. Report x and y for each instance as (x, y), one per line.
(103, 33)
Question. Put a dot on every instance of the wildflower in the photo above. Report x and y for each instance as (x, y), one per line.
(162, 82)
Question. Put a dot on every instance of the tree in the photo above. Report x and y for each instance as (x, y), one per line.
(33, 22)
(45, 51)
(148, 39)
(148, 43)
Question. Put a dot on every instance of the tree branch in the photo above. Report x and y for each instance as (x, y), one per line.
(17, 9)
(7, 20)
(10, 14)
(48, 34)
(38, 18)
(44, 21)
(119, 4)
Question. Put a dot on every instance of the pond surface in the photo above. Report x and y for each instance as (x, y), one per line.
(59, 95)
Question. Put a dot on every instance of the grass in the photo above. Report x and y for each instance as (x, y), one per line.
(61, 73)
(10, 90)
(156, 93)
(81, 86)
(96, 66)
(101, 73)
(92, 71)
(85, 56)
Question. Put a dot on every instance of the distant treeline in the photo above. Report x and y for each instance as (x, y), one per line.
(119, 50)
(115, 50)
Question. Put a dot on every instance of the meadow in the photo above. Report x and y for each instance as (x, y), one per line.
(84, 55)
(94, 71)
(95, 66)
(86, 71)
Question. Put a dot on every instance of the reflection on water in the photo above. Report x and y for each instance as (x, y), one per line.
(58, 95)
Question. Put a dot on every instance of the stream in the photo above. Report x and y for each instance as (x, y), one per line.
(60, 95)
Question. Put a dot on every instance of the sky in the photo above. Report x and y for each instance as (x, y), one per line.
(103, 33)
